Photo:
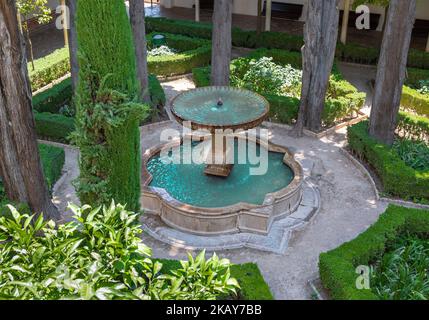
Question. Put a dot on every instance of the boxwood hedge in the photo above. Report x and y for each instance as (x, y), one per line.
(192, 52)
(416, 101)
(277, 40)
(338, 267)
(397, 178)
(343, 98)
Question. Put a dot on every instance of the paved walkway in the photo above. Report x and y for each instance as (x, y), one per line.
(349, 205)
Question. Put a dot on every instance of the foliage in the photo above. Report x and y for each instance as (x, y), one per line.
(39, 9)
(338, 267)
(54, 127)
(108, 113)
(265, 76)
(189, 53)
(53, 159)
(424, 87)
(397, 177)
(49, 68)
(342, 98)
(414, 153)
(98, 256)
(414, 100)
(413, 127)
(161, 51)
(382, 3)
(278, 40)
(402, 272)
(52, 99)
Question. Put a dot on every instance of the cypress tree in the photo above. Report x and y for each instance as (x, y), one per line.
(108, 113)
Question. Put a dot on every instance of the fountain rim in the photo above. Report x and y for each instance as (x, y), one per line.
(245, 125)
(270, 198)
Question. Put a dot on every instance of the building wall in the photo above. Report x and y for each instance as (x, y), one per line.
(249, 7)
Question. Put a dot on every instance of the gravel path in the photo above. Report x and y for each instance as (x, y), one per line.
(349, 205)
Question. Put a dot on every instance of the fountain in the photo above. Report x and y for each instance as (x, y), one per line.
(217, 196)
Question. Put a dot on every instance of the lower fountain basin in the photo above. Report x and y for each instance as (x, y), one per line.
(187, 199)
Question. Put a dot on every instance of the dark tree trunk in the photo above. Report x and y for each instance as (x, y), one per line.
(74, 66)
(259, 18)
(137, 16)
(19, 156)
(318, 52)
(222, 42)
(391, 70)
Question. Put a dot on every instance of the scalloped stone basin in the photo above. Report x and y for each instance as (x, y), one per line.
(187, 199)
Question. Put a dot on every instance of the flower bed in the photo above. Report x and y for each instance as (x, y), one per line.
(190, 53)
(342, 98)
(338, 267)
(398, 179)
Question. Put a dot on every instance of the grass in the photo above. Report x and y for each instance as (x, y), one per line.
(48, 61)
(403, 271)
(248, 275)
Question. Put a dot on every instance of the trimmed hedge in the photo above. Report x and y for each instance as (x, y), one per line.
(53, 159)
(337, 267)
(278, 40)
(416, 101)
(192, 53)
(397, 178)
(52, 99)
(248, 275)
(49, 68)
(413, 127)
(342, 99)
(54, 127)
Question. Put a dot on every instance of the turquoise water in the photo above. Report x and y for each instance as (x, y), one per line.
(237, 106)
(188, 183)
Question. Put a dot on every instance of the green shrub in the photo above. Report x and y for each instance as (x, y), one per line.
(413, 100)
(191, 53)
(54, 127)
(278, 40)
(49, 68)
(52, 99)
(342, 98)
(338, 267)
(99, 256)
(397, 178)
(157, 94)
(53, 159)
(415, 154)
(413, 127)
(414, 76)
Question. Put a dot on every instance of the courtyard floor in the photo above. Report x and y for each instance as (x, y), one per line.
(348, 202)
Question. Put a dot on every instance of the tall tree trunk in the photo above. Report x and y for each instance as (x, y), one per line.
(137, 17)
(391, 70)
(318, 52)
(19, 156)
(259, 18)
(72, 6)
(222, 42)
(30, 43)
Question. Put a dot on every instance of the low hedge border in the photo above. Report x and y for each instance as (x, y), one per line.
(337, 267)
(192, 53)
(248, 275)
(416, 101)
(56, 127)
(49, 68)
(277, 40)
(343, 101)
(413, 127)
(396, 177)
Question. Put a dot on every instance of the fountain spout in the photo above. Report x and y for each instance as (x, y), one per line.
(220, 102)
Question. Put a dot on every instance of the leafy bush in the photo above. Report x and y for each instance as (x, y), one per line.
(338, 267)
(269, 79)
(402, 272)
(424, 86)
(98, 256)
(415, 154)
(52, 99)
(413, 127)
(53, 159)
(49, 68)
(397, 177)
(54, 127)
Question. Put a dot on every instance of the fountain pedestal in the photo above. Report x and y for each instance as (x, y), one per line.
(217, 159)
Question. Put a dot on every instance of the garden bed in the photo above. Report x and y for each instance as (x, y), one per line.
(338, 267)
(343, 100)
(396, 177)
(188, 53)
